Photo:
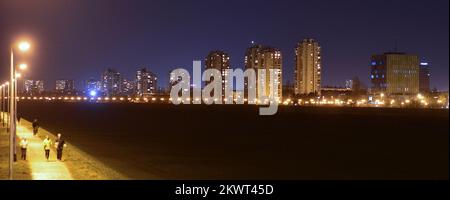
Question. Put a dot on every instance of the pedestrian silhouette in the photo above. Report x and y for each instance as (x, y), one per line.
(23, 148)
(60, 145)
(35, 126)
(47, 145)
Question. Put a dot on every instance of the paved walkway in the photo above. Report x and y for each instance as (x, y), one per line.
(41, 169)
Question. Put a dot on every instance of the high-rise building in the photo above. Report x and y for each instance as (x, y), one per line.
(267, 58)
(33, 87)
(221, 61)
(39, 84)
(28, 86)
(308, 67)
(111, 83)
(424, 77)
(146, 83)
(349, 84)
(93, 86)
(64, 86)
(395, 74)
(128, 87)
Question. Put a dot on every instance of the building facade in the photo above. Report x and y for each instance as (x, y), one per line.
(146, 83)
(64, 86)
(111, 83)
(259, 57)
(33, 87)
(308, 67)
(128, 87)
(349, 84)
(93, 86)
(395, 74)
(424, 77)
(221, 61)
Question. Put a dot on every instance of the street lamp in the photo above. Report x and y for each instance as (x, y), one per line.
(23, 46)
(2, 87)
(5, 89)
(23, 66)
(7, 107)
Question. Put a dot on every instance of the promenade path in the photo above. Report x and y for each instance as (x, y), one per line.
(41, 169)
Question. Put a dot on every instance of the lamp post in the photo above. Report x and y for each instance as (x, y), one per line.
(12, 130)
(2, 87)
(7, 106)
(1, 104)
(5, 95)
(23, 46)
(14, 108)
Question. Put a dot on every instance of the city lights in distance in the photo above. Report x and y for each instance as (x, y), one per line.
(93, 93)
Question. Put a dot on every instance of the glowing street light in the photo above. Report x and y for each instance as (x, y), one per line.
(24, 46)
(23, 66)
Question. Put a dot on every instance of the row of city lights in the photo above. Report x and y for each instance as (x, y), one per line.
(265, 101)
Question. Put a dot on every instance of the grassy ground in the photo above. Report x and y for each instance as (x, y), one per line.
(80, 165)
(21, 168)
(234, 142)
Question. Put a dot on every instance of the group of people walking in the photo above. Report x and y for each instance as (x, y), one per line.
(59, 144)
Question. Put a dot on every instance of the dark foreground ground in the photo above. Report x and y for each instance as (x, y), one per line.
(234, 142)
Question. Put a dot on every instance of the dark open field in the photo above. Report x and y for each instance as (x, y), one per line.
(234, 142)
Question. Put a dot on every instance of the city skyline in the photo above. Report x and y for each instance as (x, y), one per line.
(309, 67)
(141, 41)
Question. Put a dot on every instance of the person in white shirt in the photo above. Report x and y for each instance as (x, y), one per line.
(47, 145)
(23, 147)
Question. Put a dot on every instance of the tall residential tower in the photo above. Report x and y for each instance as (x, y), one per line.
(221, 61)
(64, 86)
(111, 83)
(265, 58)
(308, 67)
(146, 83)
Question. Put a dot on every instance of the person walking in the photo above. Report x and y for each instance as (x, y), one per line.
(35, 126)
(60, 145)
(23, 147)
(47, 145)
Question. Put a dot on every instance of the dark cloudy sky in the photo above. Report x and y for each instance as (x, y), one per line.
(78, 39)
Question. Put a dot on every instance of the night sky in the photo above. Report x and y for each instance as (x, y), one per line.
(79, 39)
